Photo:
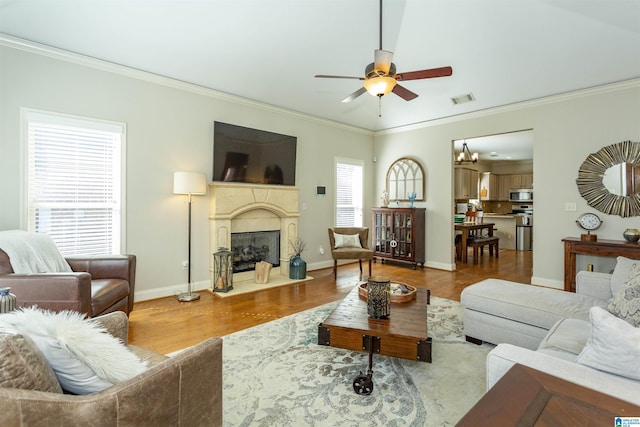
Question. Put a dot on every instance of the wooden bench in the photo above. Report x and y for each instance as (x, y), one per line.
(479, 243)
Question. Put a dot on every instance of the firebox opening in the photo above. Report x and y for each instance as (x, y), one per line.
(252, 247)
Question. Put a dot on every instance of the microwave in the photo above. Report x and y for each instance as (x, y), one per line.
(521, 195)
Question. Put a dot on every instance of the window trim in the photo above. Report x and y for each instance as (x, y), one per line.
(31, 114)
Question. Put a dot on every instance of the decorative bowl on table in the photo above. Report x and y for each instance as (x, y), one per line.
(400, 292)
(631, 235)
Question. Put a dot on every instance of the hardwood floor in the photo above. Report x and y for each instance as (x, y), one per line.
(165, 325)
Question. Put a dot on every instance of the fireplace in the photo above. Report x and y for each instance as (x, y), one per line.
(247, 208)
(254, 246)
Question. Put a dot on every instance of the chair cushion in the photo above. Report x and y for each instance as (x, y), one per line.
(626, 302)
(352, 253)
(347, 241)
(23, 366)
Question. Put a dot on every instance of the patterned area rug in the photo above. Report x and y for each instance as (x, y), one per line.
(276, 375)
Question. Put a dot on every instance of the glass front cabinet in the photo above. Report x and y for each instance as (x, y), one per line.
(398, 235)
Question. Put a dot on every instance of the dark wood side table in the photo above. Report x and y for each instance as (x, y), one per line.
(527, 397)
(609, 248)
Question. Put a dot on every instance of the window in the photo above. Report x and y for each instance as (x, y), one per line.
(349, 193)
(73, 182)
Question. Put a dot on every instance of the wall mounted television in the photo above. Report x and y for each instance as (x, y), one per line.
(254, 156)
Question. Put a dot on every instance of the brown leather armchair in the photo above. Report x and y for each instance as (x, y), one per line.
(97, 285)
(360, 254)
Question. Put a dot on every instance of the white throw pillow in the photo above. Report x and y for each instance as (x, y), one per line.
(83, 355)
(347, 240)
(614, 345)
(626, 303)
(621, 273)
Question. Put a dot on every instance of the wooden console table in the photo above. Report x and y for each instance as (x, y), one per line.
(609, 248)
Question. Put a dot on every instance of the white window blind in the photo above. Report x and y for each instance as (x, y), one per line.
(74, 183)
(348, 194)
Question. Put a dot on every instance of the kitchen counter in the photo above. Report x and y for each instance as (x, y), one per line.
(505, 228)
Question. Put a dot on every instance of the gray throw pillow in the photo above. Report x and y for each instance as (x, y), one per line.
(626, 302)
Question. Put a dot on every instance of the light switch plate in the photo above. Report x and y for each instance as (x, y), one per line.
(570, 207)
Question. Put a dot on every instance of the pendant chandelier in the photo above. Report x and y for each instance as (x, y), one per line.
(465, 155)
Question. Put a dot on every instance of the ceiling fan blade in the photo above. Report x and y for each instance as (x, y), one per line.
(404, 93)
(425, 74)
(326, 76)
(355, 94)
(382, 60)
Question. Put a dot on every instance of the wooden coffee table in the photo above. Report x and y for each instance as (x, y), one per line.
(527, 397)
(403, 334)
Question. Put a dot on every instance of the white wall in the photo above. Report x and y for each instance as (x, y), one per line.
(169, 128)
(566, 128)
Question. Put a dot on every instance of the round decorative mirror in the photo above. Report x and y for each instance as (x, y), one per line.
(404, 177)
(609, 180)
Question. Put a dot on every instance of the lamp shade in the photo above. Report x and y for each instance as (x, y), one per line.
(189, 183)
(379, 86)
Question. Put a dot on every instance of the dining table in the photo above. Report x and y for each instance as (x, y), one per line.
(469, 227)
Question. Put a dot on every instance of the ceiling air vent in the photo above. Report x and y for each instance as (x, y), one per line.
(467, 97)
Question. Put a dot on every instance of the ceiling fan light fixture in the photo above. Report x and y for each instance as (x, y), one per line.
(379, 86)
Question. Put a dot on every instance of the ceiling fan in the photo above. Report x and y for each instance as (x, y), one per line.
(380, 77)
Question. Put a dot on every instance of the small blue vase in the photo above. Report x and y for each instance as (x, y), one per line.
(297, 268)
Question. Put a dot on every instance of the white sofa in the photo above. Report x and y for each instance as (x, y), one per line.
(498, 311)
(557, 351)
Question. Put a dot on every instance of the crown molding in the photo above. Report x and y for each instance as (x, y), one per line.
(547, 100)
(87, 61)
(99, 64)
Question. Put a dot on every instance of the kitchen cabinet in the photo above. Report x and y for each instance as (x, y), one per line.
(489, 184)
(516, 181)
(522, 180)
(465, 183)
(508, 182)
(504, 187)
(398, 235)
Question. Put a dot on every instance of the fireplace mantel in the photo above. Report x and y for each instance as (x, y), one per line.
(236, 208)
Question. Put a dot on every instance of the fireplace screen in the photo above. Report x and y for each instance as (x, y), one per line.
(252, 247)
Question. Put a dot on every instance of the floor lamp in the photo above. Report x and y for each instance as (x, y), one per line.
(189, 183)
